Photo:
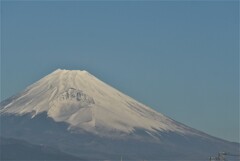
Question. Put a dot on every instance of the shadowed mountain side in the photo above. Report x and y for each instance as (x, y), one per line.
(14, 149)
(172, 146)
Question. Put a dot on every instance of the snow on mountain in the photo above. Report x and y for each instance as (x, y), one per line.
(75, 112)
(84, 102)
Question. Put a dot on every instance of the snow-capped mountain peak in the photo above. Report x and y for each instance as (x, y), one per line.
(84, 102)
(77, 113)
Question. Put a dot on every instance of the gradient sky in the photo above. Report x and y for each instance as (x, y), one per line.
(180, 58)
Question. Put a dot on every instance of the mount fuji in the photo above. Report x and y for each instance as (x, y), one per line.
(74, 112)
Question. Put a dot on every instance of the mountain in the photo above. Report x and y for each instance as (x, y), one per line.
(12, 149)
(81, 115)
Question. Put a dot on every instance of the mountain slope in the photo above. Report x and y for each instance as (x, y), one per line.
(13, 149)
(173, 146)
(83, 101)
(93, 115)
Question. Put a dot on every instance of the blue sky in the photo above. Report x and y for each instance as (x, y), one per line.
(180, 58)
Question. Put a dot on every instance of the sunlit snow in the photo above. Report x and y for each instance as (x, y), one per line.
(85, 102)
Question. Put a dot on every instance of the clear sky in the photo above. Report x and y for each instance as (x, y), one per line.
(180, 58)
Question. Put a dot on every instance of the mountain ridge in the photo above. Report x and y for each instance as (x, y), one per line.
(65, 100)
(85, 116)
(23, 150)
